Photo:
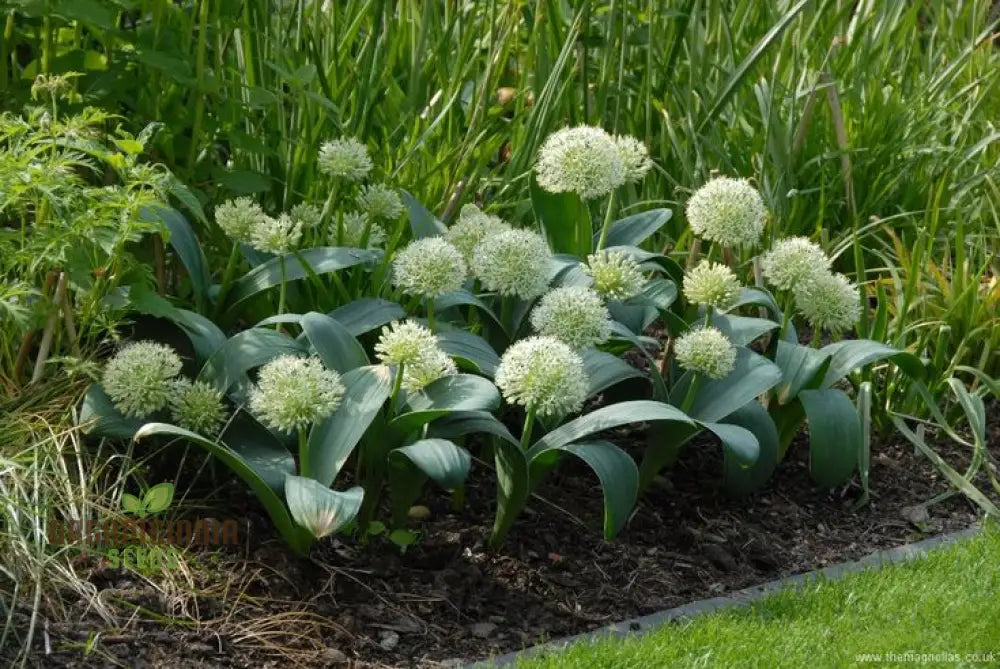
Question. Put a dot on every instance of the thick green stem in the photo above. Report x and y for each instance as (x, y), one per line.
(227, 278)
(303, 452)
(281, 293)
(507, 314)
(692, 392)
(529, 422)
(396, 385)
(430, 313)
(608, 217)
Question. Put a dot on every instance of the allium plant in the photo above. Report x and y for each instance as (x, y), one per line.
(307, 216)
(277, 235)
(712, 285)
(197, 406)
(793, 261)
(138, 379)
(240, 218)
(415, 352)
(472, 227)
(543, 375)
(574, 315)
(379, 202)
(635, 158)
(513, 262)
(345, 158)
(429, 268)
(705, 351)
(357, 231)
(582, 160)
(829, 302)
(615, 275)
(729, 212)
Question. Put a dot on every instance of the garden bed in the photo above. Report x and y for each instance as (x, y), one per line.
(447, 601)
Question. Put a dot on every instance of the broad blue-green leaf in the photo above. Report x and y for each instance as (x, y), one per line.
(834, 435)
(716, 399)
(438, 459)
(470, 348)
(332, 441)
(185, 244)
(461, 423)
(459, 392)
(205, 336)
(606, 418)
(243, 351)
(760, 297)
(740, 479)
(367, 314)
(103, 419)
(802, 367)
(422, 222)
(319, 509)
(512, 488)
(742, 330)
(258, 446)
(738, 443)
(852, 354)
(333, 342)
(635, 229)
(460, 297)
(320, 260)
(605, 370)
(564, 220)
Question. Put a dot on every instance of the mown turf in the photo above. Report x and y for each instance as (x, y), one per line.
(940, 610)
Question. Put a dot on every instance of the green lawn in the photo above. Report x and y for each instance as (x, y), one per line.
(940, 610)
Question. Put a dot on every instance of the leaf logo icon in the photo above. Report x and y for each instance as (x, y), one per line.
(155, 500)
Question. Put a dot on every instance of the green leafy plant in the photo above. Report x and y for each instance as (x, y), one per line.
(155, 500)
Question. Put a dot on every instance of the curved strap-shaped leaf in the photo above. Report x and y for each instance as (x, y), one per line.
(759, 297)
(248, 349)
(101, 417)
(461, 423)
(460, 392)
(319, 509)
(834, 435)
(742, 479)
(185, 244)
(851, 354)
(606, 418)
(512, 488)
(471, 349)
(366, 314)
(422, 222)
(437, 459)
(332, 441)
(742, 330)
(464, 297)
(738, 443)
(319, 260)
(802, 368)
(564, 220)
(637, 228)
(605, 370)
(717, 398)
(333, 342)
(205, 336)
(248, 467)
(616, 470)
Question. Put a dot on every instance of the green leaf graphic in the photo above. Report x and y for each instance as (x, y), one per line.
(131, 504)
(158, 497)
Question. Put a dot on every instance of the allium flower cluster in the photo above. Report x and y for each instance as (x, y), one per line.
(379, 202)
(306, 215)
(727, 211)
(353, 231)
(239, 218)
(828, 301)
(197, 406)
(706, 351)
(276, 235)
(513, 262)
(429, 267)
(417, 349)
(574, 315)
(794, 261)
(635, 157)
(472, 227)
(293, 391)
(616, 276)
(582, 160)
(138, 378)
(712, 284)
(544, 374)
(345, 158)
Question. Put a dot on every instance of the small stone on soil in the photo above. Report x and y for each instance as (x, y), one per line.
(483, 630)
(388, 640)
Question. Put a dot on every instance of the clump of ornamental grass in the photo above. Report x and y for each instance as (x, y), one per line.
(379, 202)
(574, 315)
(727, 211)
(345, 158)
(615, 275)
(543, 375)
(353, 227)
(472, 227)
(240, 218)
(794, 261)
(277, 235)
(429, 267)
(416, 353)
(828, 302)
(706, 351)
(713, 285)
(513, 262)
(294, 391)
(197, 406)
(584, 160)
(138, 379)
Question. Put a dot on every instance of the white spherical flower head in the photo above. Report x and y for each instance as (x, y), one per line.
(405, 343)
(138, 378)
(277, 235)
(472, 227)
(574, 315)
(616, 276)
(345, 158)
(239, 218)
(430, 367)
(544, 374)
(293, 392)
(197, 407)
(379, 202)
(429, 267)
(727, 211)
(353, 225)
(513, 262)
(793, 261)
(635, 157)
(712, 284)
(582, 160)
(829, 302)
(706, 351)
(306, 215)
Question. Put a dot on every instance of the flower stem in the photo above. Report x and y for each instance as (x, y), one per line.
(281, 293)
(396, 385)
(507, 314)
(692, 392)
(529, 422)
(303, 452)
(227, 278)
(430, 314)
(607, 222)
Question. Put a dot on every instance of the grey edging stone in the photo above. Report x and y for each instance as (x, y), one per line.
(740, 598)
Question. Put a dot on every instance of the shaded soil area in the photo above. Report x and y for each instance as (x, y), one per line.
(446, 600)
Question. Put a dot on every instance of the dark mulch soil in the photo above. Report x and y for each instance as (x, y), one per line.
(448, 600)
